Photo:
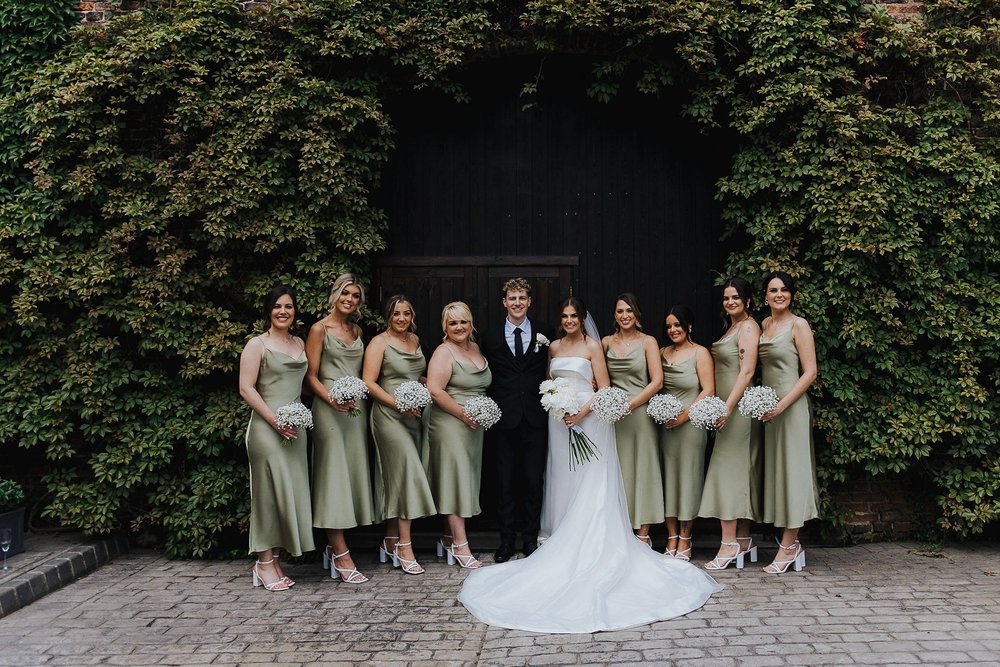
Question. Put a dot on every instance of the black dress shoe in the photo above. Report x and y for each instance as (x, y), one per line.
(504, 553)
(530, 545)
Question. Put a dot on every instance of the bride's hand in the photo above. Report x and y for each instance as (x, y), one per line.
(573, 420)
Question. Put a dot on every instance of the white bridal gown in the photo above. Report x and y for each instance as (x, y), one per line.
(591, 573)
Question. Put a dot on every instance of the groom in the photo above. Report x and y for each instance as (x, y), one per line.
(518, 354)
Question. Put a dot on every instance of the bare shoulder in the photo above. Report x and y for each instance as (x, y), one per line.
(317, 328)
(701, 352)
(750, 326)
(801, 325)
(254, 346)
(377, 343)
(594, 347)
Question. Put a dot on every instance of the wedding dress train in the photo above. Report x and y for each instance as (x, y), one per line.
(591, 573)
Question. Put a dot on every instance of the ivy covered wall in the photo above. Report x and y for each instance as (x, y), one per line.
(158, 171)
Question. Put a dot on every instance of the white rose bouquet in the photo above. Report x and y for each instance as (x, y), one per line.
(610, 404)
(664, 407)
(294, 415)
(706, 412)
(347, 389)
(483, 410)
(559, 399)
(411, 395)
(757, 401)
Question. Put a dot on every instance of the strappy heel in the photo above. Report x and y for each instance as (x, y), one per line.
(683, 554)
(668, 551)
(468, 561)
(645, 539)
(279, 585)
(349, 575)
(284, 578)
(721, 562)
(409, 566)
(441, 548)
(751, 549)
(385, 553)
(797, 561)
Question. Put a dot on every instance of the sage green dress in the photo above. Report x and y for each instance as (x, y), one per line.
(733, 481)
(682, 448)
(404, 492)
(790, 489)
(454, 452)
(342, 484)
(280, 511)
(638, 438)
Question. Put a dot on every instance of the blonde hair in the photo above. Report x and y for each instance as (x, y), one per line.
(342, 281)
(455, 310)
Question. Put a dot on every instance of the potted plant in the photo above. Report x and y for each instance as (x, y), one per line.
(12, 513)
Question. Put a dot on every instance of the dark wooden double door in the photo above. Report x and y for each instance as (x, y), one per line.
(432, 282)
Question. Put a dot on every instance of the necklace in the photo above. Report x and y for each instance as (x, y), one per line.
(628, 342)
(288, 337)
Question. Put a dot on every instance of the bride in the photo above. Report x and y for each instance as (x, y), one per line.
(591, 573)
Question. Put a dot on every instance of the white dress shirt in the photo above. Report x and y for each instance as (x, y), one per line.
(526, 339)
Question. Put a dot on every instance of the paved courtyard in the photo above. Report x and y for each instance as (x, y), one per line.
(878, 604)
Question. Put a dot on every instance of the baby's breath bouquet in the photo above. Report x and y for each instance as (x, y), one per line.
(610, 404)
(347, 389)
(707, 412)
(559, 399)
(757, 401)
(664, 407)
(295, 415)
(483, 410)
(411, 395)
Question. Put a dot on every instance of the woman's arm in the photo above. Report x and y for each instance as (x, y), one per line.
(802, 336)
(249, 369)
(601, 378)
(749, 338)
(314, 353)
(655, 370)
(438, 374)
(370, 370)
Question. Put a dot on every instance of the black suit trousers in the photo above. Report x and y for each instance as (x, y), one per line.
(521, 456)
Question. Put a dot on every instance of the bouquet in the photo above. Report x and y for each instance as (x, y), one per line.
(664, 407)
(411, 395)
(541, 341)
(295, 415)
(347, 389)
(757, 401)
(706, 412)
(610, 404)
(483, 410)
(559, 399)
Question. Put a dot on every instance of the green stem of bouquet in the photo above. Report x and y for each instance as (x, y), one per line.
(581, 448)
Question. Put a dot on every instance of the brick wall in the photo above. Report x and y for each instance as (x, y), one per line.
(879, 509)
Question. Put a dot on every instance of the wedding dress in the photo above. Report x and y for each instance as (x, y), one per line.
(591, 573)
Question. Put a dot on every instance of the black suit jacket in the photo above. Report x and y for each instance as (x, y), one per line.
(515, 381)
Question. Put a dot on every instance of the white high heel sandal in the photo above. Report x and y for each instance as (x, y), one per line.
(797, 561)
(468, 561)
(279, 585)
(751, 549)
(409, 566)
(721, 562)
(384, 552)
(349, 575)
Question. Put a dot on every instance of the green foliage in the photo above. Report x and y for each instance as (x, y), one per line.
(161, 172)
(11, 495)
(32, 30)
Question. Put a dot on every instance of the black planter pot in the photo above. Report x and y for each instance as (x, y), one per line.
(14, 520)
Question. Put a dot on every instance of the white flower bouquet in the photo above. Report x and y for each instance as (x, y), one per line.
(559, 399)
(664, 407)
(757, 401)
(411, 395)
(610, 404)
(541, 340)
(294, 415)
(483, 410)
(347, 389)
(706, 412)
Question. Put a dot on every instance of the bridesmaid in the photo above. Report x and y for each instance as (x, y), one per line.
(457, 372)
(732, 485)
(788, 365)
(634, 365)
(342, 490)
(392, 358)
(688, 375)
(272, 366)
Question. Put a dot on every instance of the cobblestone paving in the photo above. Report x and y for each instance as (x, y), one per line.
(879, 604)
